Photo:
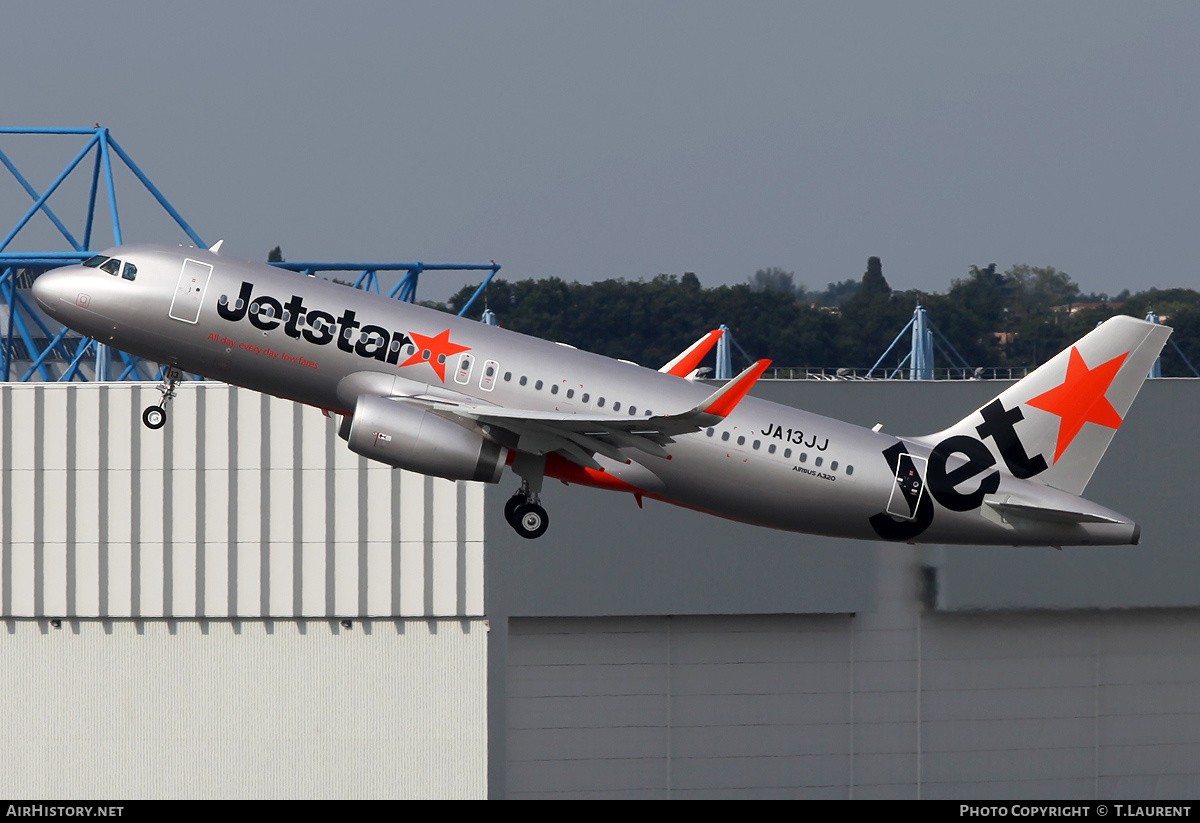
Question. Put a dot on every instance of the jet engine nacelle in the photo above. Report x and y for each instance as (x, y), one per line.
(410, 438)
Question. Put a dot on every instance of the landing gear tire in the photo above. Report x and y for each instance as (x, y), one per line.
(155, 417)
(510, 508)
(530, 520)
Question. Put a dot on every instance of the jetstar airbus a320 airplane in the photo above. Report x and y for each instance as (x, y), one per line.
(446, 396)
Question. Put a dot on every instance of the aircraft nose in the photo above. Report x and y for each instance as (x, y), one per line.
(57, 289)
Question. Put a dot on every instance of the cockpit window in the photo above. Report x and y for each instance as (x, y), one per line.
(113, 266)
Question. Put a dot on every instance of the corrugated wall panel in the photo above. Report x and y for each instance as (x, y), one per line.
(244, 505)
(244, 709)
(684, 707)
(898, 703)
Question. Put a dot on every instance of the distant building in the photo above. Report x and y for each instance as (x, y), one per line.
(1072, 308)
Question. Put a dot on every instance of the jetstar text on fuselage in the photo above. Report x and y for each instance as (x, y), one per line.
(322, 328)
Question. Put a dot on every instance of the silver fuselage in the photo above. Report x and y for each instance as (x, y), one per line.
(765, 464)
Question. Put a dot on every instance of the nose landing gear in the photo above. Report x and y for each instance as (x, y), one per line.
(155, 417)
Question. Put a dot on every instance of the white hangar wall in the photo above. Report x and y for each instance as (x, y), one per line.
(244, 505)
(173, 604)
(130, 709)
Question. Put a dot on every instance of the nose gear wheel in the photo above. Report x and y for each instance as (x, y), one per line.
(155, 417)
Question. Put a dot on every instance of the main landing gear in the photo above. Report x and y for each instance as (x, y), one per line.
(155, 417)
(524, 513)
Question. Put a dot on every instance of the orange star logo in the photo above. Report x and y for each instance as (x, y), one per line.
(1080, 399)
(435, 351)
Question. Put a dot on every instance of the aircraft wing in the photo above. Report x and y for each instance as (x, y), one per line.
(579, 436)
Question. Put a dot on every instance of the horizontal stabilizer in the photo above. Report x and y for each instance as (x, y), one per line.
(1048, 515)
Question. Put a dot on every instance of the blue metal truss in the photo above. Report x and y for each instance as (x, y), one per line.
(58, 355)
(920, 357)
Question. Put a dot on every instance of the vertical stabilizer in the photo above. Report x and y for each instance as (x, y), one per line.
(1056, 423)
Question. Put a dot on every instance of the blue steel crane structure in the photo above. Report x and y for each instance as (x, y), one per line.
(50, 354)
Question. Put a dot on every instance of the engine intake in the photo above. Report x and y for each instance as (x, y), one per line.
(410, 438)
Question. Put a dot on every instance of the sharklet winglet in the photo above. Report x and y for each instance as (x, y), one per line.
(722, 402)
(688, 359)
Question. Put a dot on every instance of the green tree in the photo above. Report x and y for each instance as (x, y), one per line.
(871, 319)
(835, 293)
(650, 321)
(774, 280)
(873, 281)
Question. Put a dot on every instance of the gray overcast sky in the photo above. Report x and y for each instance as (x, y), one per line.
(625, 139)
